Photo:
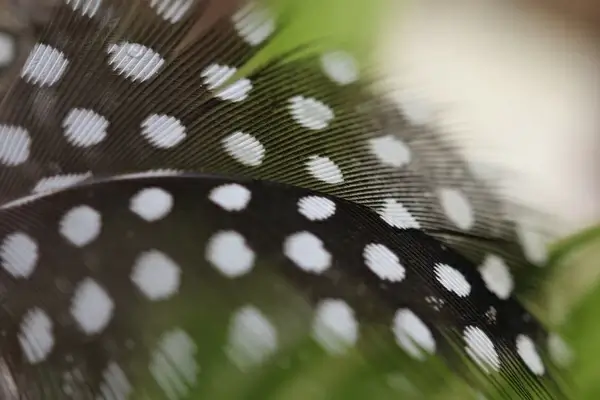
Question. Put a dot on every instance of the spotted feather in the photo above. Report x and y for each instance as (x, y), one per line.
(322, 214)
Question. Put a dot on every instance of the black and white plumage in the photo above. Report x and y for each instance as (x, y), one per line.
(166, 222)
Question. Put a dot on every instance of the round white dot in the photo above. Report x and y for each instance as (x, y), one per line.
(7, 49)
(452, 279)
(44, 66)
(91, 307)
(244, 148)
(236, 91)
(412, 334)
(156, 275)
(340, 67)
(171, 10)
(19, 254)
(395, 214)
(307, 252)
(115, 384)
(316, 208)
(310, 113)
(528, 353)
(230, 197)
(415, 108)
(230, 254)
(152, 204)
(254, 23)
(384, 263)
(497, 276)
(134, 61)
(81, 225)
(87, 8)
(324, 170)
(58, 182)
(559, 351)
(334, 328)
(481, 349)
(36, 336)
(216, 75)
(390, 151)
(15, 145)
(173, 364)
(84, 128)
(163, 131)
(251, 339)
(457, 208)
(533, 243)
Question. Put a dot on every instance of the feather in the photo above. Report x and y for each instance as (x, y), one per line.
(147, 179)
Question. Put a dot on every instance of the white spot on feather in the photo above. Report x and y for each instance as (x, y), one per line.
(81, 225)
(324, 170)
(252, 338)
(36, 337)
(91, 307)
(340, 67)
(230, 197)
(156, 275)
(334, 326)
(310, 113)
(58, 182)
(384, 263)
(15, 144)
(316, 208)
(307, 252)
(254, 23)
(163, 131)
(412, 334)
(244, 148)
(173, 364)
(171, 10)
(84, 127)
(152, 204)
(230, 254)
(19, 254)
(481, 349)
(134, 61)
(44, 66)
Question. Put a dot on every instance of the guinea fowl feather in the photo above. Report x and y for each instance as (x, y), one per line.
(169, 221)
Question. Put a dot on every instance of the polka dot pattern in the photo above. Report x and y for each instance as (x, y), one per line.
(121, 132)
